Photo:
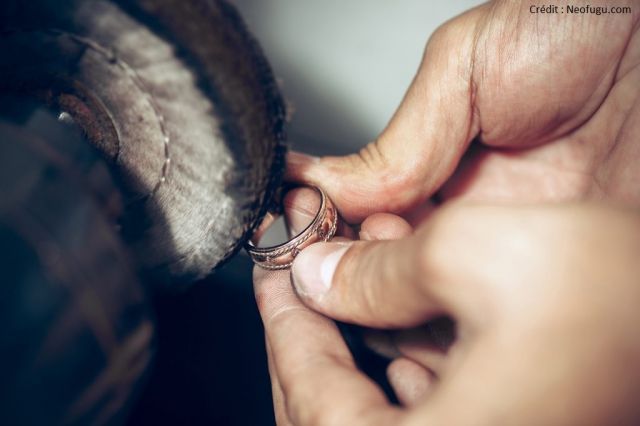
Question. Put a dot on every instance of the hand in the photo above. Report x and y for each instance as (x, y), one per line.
(554, 116)
(548, 337)
(553, 101)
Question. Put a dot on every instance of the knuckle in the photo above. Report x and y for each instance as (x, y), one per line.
(373, 157)
(389, 172)
(448, 35)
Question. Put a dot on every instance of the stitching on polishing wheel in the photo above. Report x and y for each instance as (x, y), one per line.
(111, 57)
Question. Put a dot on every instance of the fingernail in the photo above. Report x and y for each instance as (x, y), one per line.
(313, 269)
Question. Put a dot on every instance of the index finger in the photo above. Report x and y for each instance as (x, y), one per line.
(318, 377)
(423, 142)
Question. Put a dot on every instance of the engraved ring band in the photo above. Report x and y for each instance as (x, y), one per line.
(322, 228)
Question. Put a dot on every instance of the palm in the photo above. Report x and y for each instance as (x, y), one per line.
(571, 135)
(553, 106)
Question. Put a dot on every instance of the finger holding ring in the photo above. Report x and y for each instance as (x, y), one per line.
(322, 228)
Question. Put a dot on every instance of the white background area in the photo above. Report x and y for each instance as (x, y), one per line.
(344, 65)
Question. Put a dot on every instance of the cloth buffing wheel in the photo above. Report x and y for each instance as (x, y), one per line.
(177, 97)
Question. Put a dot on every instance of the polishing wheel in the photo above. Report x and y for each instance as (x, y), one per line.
(178, 99)
(141, 142)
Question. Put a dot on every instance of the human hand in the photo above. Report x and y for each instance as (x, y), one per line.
(546, 338)
(557, 128)
(553, 101)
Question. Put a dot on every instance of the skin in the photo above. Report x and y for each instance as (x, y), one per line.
(548, 338)
(526, 126)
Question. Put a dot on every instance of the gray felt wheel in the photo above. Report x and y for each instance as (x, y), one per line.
(177, 97)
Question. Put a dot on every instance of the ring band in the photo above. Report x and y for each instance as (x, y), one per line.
(322, 228)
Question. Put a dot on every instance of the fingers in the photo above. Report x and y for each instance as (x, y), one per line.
(427, 345)
(307, 356)
(381, 342)
(384, 226)
(381, 284)
(301, 206)
(378, 284)
(422, 143)
(438, 271)
(317, 375)
(411, 382)
(279, 408)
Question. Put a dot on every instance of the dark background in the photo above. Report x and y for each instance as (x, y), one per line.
(210, 366)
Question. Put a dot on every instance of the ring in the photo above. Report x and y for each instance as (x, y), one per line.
(322, 228)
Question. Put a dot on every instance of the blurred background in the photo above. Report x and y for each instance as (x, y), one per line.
(344, 67)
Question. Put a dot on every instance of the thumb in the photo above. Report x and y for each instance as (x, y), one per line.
(437, 271)
(421, 145)
(380, 284)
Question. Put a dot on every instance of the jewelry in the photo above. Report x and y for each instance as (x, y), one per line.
(322, 228)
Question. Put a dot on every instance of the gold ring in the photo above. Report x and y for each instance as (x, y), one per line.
(322, 228)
